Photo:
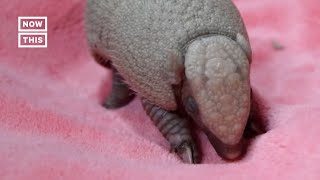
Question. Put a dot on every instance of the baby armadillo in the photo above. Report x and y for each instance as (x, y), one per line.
(189, 62)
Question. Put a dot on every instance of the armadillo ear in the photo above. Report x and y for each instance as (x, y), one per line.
(245, 46)
(175, 72)
(257, 122)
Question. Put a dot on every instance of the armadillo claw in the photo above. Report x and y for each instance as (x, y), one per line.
(187, 152)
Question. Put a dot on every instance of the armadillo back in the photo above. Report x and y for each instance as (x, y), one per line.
(144, 38)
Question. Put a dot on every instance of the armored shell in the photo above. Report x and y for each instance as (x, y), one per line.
(145, 39)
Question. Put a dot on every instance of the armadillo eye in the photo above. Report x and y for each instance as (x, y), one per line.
(191, 105)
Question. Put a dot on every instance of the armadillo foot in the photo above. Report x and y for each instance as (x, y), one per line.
(120, 95)
(176, 130)
(187, 152)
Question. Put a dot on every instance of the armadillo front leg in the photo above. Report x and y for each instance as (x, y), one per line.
(176, 130)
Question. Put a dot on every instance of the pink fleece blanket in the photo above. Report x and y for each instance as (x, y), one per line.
(52, 125)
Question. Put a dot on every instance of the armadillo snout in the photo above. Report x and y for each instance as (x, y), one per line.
(227, 152)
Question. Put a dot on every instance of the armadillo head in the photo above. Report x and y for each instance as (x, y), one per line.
(216, 91)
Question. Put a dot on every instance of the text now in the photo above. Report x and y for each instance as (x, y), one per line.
(32, 24)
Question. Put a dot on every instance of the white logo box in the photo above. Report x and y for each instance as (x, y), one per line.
(35, 18)
(33, 46)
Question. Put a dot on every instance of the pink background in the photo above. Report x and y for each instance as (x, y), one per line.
(52, 125)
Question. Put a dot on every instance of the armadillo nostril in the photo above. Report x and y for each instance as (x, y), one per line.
(227, 152)
(232, 155)
(230, 152)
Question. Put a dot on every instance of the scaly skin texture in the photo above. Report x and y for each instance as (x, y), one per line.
(225, 84)
(217, 70)
(186, 59)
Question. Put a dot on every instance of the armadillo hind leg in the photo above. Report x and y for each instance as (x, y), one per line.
(121, 94)
(176, 130)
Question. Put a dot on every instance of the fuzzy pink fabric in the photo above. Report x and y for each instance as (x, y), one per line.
(52, 125)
